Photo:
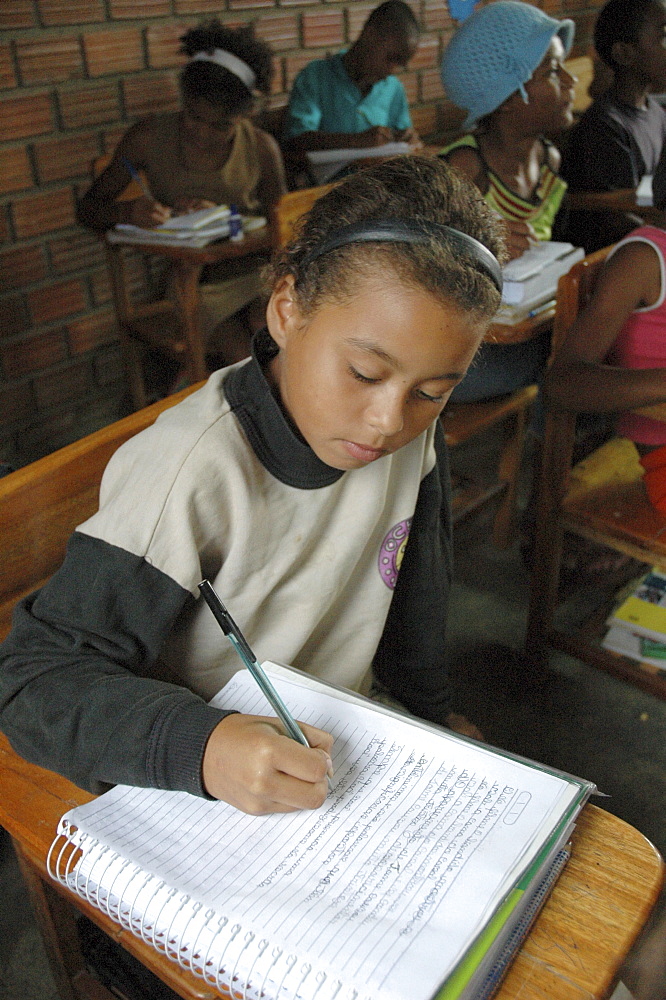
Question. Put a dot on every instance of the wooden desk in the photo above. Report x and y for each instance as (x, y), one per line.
(574, 951)
(188, 262)
(525, 329)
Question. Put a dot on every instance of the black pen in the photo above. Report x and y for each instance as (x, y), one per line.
(242, 647)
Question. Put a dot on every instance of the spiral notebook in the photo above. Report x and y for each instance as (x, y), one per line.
(417, 878)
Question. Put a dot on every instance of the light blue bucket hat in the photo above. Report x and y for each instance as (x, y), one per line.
(495, 52)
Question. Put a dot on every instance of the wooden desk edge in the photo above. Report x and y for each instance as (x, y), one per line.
(32, 802)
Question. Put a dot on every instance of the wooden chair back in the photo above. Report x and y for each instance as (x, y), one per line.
(288, 210)
(42, 503)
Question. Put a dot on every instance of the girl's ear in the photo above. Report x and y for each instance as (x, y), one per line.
(282, 312)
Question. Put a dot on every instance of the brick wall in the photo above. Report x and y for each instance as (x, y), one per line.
(74, 74)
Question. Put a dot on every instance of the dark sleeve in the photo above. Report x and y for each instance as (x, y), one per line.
(600, 155)
(76, 691)
(410, 659)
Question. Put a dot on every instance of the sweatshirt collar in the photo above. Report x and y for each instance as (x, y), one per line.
(270, 434)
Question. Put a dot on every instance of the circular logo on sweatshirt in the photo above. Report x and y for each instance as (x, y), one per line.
(391, 552)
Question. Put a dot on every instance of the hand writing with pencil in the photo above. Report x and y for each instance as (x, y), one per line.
(250, 763)
(146, 212)
(520, 236)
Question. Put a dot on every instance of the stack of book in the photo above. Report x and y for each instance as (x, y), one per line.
(530, 281)
(637, 628)
(194, 229)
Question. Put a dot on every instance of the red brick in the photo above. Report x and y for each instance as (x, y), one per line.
(90, 105)
(279, 31)
(7, 74)
(15, 317)
(322, 28)
(141, 8)
(427, 54)
(76, 252)
(436, 16)
(92, 331)
(411, 84)
(246, 4)
(42, 213)
(22, 265)
(64, 385)
(112, 136)
(17, 14)
(71, 11)
(357, 15)
(119, 51)
(58, 159)
(100, 286)
(199, 7)
(15, 172)
(145, 95)
(21, 117)
(50, 59)
(431, 85)
(164, 44)
(277, 80)
(56, 301)
(24, 357)
(16, 403)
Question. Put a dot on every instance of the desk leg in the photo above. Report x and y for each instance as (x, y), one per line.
(186, 282)
(56, 921)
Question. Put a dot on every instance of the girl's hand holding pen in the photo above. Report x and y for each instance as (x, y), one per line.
(252, 765)
(519, 237)
(146, 212)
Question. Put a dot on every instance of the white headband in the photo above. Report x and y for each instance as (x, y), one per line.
(231, 62)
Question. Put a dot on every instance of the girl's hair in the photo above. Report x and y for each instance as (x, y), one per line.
(216, 84)
(413, 189)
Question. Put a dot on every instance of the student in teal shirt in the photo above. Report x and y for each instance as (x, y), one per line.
(353, 99)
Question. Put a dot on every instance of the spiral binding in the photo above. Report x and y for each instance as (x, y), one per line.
(181, 928)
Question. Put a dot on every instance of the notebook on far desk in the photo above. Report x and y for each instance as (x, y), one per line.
(418, 877)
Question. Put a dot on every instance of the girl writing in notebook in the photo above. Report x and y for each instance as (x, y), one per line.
(308, 484)
(208, 153)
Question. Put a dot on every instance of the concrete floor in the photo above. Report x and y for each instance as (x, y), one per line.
(574, 718)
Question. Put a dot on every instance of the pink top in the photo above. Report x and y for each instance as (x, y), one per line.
(641, 342)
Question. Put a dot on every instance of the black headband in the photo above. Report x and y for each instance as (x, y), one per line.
(399, 231)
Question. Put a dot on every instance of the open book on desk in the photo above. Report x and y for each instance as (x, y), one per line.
(326, 164)
(416, 878)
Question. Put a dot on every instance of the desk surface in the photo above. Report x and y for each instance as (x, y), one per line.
(574, 951)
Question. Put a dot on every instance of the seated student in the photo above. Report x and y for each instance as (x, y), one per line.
(352, 99)
(206, 154)
(615, 353)
(620, 136)
(309, 484)
(504, 67)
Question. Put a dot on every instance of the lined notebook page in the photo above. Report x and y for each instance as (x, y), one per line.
(381, 889)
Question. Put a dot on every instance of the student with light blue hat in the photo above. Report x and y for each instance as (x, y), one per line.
(504, 66)
(495, 53)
